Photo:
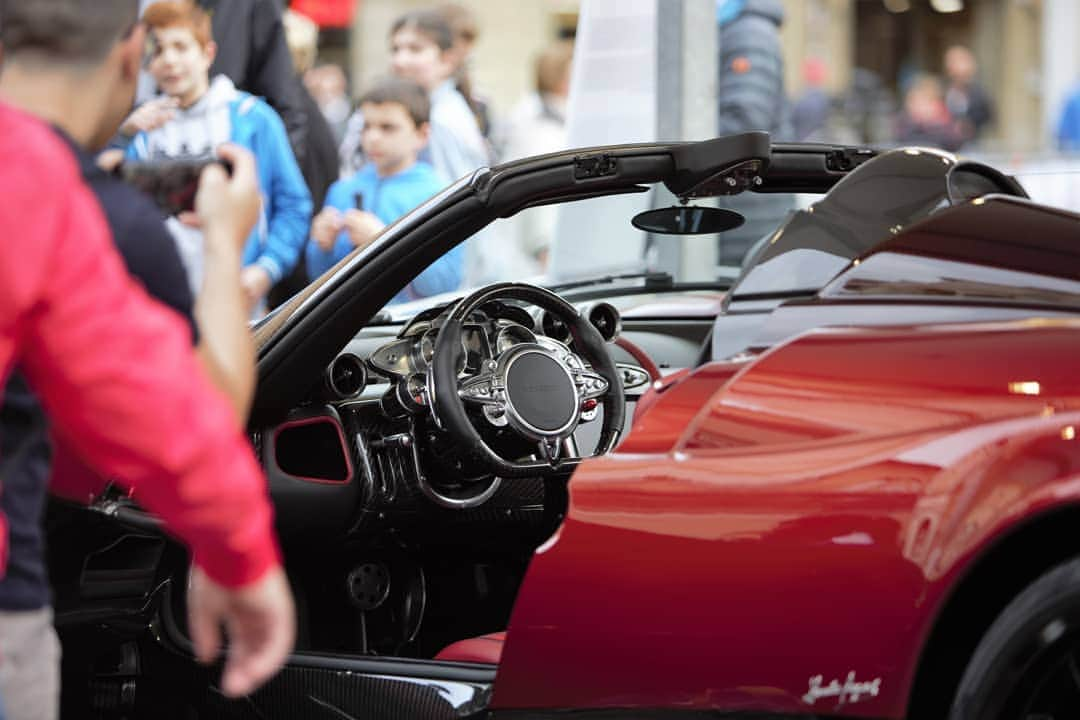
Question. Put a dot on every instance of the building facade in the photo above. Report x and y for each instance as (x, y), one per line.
(1027, 51)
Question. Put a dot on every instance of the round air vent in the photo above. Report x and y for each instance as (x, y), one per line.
(606, 319)
(346, 376)
(554, 328)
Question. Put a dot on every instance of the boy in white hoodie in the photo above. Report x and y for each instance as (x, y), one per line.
(209, 113)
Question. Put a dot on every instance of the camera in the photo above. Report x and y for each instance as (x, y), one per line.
(172, 183)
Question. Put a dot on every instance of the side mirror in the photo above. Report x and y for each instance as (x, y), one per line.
(687, 220)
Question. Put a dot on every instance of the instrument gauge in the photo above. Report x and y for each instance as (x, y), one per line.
(416, 386)
(512, 335)
(412, 393)
(424, 352)
(427, 348)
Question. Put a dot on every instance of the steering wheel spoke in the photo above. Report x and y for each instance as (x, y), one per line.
(483, 389)
(549, 450)
(591, 385)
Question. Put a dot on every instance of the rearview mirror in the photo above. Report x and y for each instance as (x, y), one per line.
(692, 220)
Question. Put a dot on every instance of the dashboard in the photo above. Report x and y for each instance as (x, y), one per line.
(382, 460)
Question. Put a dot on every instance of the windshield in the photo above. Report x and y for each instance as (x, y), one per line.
(874, 202)
(589, 246)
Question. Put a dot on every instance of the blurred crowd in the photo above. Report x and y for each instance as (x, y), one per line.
(370, 152)
(431, 49)
(366, 154)
(951, 110)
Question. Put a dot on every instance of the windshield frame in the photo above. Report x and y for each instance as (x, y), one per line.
(301, 338)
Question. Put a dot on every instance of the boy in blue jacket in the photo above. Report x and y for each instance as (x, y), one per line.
(204, 114)
(390, 184)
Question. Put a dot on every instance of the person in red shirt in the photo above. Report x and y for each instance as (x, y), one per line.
(96, 349)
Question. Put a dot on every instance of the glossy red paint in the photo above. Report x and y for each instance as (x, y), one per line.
(804, 516)
(658, 425)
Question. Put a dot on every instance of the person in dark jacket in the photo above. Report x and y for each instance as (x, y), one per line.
(750, 91)
(810, 112)
(253, 53)
(319, 165)
(926, 120)
(967, 100)
(750, 95)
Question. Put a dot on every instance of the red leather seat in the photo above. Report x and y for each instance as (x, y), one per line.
(483, 649)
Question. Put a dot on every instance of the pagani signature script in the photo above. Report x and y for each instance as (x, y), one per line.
(848, 691)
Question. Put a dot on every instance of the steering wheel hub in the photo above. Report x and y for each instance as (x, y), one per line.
(539, 390)
(542, 401)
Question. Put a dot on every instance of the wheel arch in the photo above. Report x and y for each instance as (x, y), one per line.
(998, 575)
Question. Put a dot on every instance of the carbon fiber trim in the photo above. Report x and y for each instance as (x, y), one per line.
(314, 694)
(643, 714)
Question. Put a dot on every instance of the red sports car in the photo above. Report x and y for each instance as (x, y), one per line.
(841, 479)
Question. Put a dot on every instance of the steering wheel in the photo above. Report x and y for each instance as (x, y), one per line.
(541, 391)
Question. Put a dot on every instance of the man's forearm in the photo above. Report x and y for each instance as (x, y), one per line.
(225, 347)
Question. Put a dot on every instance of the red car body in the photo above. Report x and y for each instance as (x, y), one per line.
(786, 534)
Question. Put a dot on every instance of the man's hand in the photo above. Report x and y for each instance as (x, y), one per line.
(150, 116)
(110, 160)
(256, 283)
(325, 228)
(362, 227)
(259, 620)
(227, 206)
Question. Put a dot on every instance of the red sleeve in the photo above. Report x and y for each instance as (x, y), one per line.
(118, 376)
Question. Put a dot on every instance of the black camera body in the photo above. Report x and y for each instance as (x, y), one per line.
(171, 183)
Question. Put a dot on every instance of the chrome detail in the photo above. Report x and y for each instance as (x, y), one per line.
(430, 381)
(590, 385)
(559, 348)
(458, 503)
(549, 450)
(417, 328)
(346, 376)
(848, 691)
(403, 440)
(488, 388)
(606, 319)
(424, 350)
(632, 376)
(393, 358)
(505, 338)
(554, 327)
(495, 415)
(407, 441)
(412, 392)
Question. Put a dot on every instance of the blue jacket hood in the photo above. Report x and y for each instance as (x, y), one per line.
(729, 10)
